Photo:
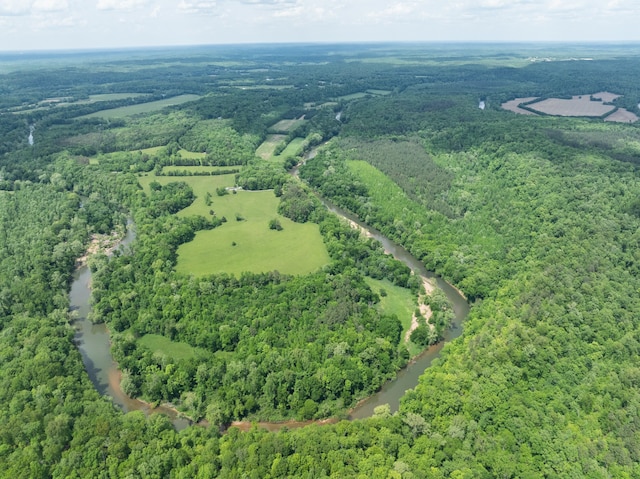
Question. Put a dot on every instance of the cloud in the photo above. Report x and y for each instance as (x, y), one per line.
(199, 8)
(121, 4)
(50, 5)
(14, 8)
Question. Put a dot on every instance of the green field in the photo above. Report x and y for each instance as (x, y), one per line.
(268, 146)
(293, 149)
(191, 154)
(379, 92)
(124, 111)
(353, 96)
(398, 301)
(112, 96)
(285, 126)
(297, 249)
(163, 345)
(198, 169)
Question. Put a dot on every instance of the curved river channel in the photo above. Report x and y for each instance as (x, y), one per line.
(94, 343)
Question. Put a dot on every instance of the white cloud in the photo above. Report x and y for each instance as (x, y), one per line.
(120, 4)
(14, 7)
(50, 5)
(199, 8)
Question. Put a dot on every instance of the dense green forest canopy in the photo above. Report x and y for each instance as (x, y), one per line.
(535, 219)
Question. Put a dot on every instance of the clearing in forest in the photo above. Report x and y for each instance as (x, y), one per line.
(245, 242)
(399, 301)
(578, 105)
(124, 111)
(514, 105)
(267, 149)
(293, 149)
(622, 115)
(162, 345)
(285, 126)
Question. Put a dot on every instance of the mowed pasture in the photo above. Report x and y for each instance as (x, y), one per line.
(198, 169)
(245, 242)
(191, 155)
(267, 149)
(293, 149)
(285, 126)
(148, 107)
(578, 105)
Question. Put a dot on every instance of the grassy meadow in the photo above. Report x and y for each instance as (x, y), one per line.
(285, 126)
(148, 107)
(248, 244)
(163, 345)
(267, 148)
(398, 301)
(293, 149)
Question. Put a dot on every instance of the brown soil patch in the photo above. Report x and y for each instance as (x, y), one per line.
(622, 116)
(605, 96)
(579, 105)
(514, 105)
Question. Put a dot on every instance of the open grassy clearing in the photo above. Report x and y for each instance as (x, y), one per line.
(249, 245)
(353, 96)
(267, 148)
(153, 150)
(191, 154)
(379, 92)
(163, 345)
(141, 108)
(297, 249)
(199, 169)
(398, 301)
(293, 149)
(264, 87)
(285, 126)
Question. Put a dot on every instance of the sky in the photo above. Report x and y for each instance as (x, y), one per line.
(86, 24)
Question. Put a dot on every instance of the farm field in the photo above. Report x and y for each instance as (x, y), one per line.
(294, 148)
(622, 116)
(513, 105)
(199, 169)
(249, 244)
(285, 126)
(191, 154)
(297, 249)
(267, 148)
(579, 105)
(151, 106)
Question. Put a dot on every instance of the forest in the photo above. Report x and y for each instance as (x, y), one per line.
(535, 219)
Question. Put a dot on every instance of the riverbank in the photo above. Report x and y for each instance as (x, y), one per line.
(101, 243)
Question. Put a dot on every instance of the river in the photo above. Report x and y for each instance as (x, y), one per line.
(94, 345)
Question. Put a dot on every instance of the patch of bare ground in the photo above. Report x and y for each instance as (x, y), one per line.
(514, 105)
(605, 96)
(622, 115)
(579, 105)
(100, 243)
(425, 309)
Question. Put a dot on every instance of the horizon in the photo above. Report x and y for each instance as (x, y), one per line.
(35, 25)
